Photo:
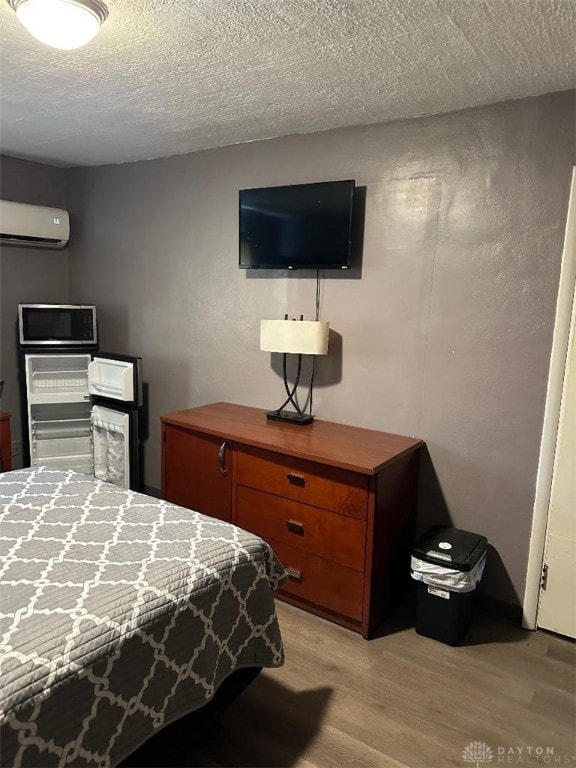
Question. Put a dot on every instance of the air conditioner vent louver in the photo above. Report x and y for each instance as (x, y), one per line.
(20, 239)
(33, 226)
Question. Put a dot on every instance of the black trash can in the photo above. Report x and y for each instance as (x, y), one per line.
(448, 564)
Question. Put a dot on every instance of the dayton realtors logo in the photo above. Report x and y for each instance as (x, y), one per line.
(478, 752)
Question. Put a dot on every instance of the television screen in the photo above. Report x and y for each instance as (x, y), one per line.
(303, 226)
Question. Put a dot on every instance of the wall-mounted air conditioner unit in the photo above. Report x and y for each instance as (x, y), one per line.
(33, 226)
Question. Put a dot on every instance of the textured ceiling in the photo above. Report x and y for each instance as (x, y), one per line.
(167, 77)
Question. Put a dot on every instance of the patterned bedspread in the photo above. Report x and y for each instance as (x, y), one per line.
(119, 613)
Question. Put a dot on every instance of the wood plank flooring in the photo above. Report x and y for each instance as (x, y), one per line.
(401, 700)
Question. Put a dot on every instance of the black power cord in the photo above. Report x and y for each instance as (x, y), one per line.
(317, 315)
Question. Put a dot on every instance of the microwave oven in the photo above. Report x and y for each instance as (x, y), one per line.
(57, 324)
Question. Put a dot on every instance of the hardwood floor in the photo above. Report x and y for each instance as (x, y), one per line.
(401, 700)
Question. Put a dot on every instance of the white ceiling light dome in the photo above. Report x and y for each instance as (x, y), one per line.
(64, 24)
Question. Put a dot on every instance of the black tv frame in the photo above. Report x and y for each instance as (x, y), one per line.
(298, 265)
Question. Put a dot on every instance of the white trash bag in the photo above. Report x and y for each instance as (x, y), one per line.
(449, 578)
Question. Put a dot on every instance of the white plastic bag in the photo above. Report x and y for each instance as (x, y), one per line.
(449, 578)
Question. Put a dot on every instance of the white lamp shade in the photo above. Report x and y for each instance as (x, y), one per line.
(299, 337)
(64, 24)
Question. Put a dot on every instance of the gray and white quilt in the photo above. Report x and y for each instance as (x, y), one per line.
(119, 613)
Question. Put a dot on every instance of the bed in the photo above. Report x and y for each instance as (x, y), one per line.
(119, 614)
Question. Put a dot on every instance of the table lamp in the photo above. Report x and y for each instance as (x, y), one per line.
(293, 337)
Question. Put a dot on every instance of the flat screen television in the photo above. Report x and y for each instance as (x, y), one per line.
(302, 226)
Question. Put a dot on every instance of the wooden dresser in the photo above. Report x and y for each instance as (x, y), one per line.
(5, 442)
(337, 503)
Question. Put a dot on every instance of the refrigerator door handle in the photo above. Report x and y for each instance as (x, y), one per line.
(222, 458)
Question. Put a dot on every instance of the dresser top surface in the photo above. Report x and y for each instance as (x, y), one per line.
(340, 445)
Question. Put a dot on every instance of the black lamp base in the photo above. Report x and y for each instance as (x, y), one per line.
(290, 417)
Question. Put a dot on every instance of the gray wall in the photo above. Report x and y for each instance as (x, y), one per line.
(443, 332)
(27, 274)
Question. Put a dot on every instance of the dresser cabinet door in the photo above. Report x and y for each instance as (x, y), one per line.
(197, 472)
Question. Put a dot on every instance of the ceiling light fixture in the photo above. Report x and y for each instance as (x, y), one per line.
(64, 24)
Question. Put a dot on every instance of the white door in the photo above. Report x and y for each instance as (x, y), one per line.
(557, 607)
(111, 378)
(111, 439)
(551, 552)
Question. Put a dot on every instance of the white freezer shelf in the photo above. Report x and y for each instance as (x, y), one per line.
(58, 397)
(61, 428)
(62, 448)
(79, 371)
(79, 464)
(58, 381)
(43, 363)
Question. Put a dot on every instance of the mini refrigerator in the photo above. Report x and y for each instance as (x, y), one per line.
(83, 413)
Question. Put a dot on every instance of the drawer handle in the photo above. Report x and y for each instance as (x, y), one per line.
(222, 458)
(295, 527)
(296, 480)
(294, 573)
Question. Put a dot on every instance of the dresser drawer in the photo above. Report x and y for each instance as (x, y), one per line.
(321, 582)
(339, 490)
(327, 534)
